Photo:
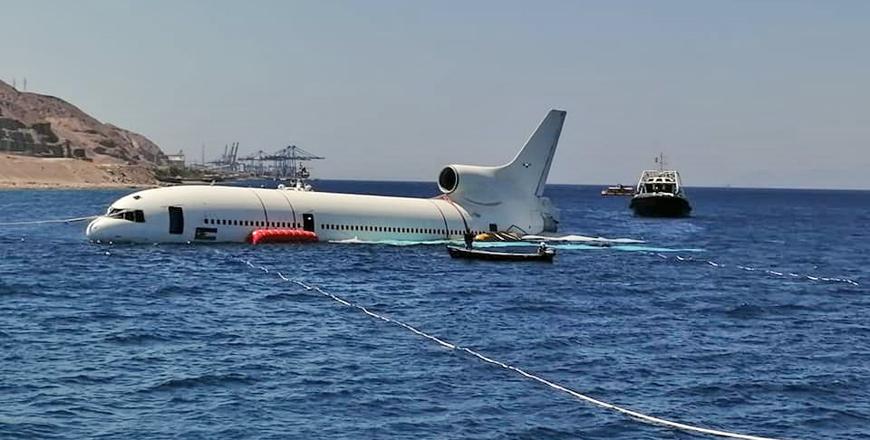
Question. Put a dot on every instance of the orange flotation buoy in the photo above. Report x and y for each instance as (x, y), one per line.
(282, 236)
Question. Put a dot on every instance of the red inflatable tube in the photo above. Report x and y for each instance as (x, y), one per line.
(282, 236)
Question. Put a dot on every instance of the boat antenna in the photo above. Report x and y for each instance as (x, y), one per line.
(661, 161)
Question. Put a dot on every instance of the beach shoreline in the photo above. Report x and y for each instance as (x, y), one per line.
(27, 172)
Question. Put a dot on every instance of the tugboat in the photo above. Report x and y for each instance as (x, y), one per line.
(660, 194)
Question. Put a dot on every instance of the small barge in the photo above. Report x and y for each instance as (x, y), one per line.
(618, 190)
(543, 254)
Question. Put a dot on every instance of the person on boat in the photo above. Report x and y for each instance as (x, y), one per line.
(469, 240)
(542, 248)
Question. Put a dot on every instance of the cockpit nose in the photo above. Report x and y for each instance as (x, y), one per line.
(107, 229)
(119, 224)
(96, 229)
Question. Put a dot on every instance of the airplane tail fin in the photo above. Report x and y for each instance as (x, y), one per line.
(531, 166)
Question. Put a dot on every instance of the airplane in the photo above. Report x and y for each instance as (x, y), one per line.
(474, 199)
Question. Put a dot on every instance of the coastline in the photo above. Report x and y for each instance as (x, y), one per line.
(10, 186)
(27, 172)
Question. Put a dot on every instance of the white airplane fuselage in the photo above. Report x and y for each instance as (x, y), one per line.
(475, 199)
(231, 214)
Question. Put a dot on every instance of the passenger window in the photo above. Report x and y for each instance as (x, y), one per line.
(139, 216)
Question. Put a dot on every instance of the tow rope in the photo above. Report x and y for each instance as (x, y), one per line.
(644, 418)
(41, 222)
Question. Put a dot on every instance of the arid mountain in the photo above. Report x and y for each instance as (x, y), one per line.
(46, 126)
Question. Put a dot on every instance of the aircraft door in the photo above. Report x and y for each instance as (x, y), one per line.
(176, 220)
(308, 222)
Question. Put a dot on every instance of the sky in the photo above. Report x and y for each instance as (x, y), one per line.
(760, 93)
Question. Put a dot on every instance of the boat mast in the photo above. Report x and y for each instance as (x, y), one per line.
(660, 159)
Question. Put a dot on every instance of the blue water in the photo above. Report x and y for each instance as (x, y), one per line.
(188, 341)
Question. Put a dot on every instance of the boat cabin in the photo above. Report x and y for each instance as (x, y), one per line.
(659, 181)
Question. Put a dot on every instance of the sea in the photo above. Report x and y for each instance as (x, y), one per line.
(750, 316)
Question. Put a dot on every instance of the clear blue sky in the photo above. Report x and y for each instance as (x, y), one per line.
(746, 93)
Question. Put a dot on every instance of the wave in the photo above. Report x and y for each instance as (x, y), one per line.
(217, 380)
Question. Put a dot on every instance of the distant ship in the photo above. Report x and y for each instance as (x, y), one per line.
(660, 194)
(618, 190)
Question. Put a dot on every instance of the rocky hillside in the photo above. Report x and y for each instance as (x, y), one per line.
(45, 126)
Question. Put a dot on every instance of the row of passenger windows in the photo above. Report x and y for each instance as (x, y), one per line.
(337, 227)
(395, 229)
(255, 223)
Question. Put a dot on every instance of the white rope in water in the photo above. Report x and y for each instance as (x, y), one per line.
(625, 411)
(42, 222)
(766, 271)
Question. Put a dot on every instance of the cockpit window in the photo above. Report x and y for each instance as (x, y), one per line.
(130, 215)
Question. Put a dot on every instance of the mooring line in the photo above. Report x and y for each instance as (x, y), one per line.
(42, 222)
(773, 273)
(600, 403)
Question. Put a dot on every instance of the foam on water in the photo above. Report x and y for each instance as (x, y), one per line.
(394, 242)
(562, 245)
(580, 238)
